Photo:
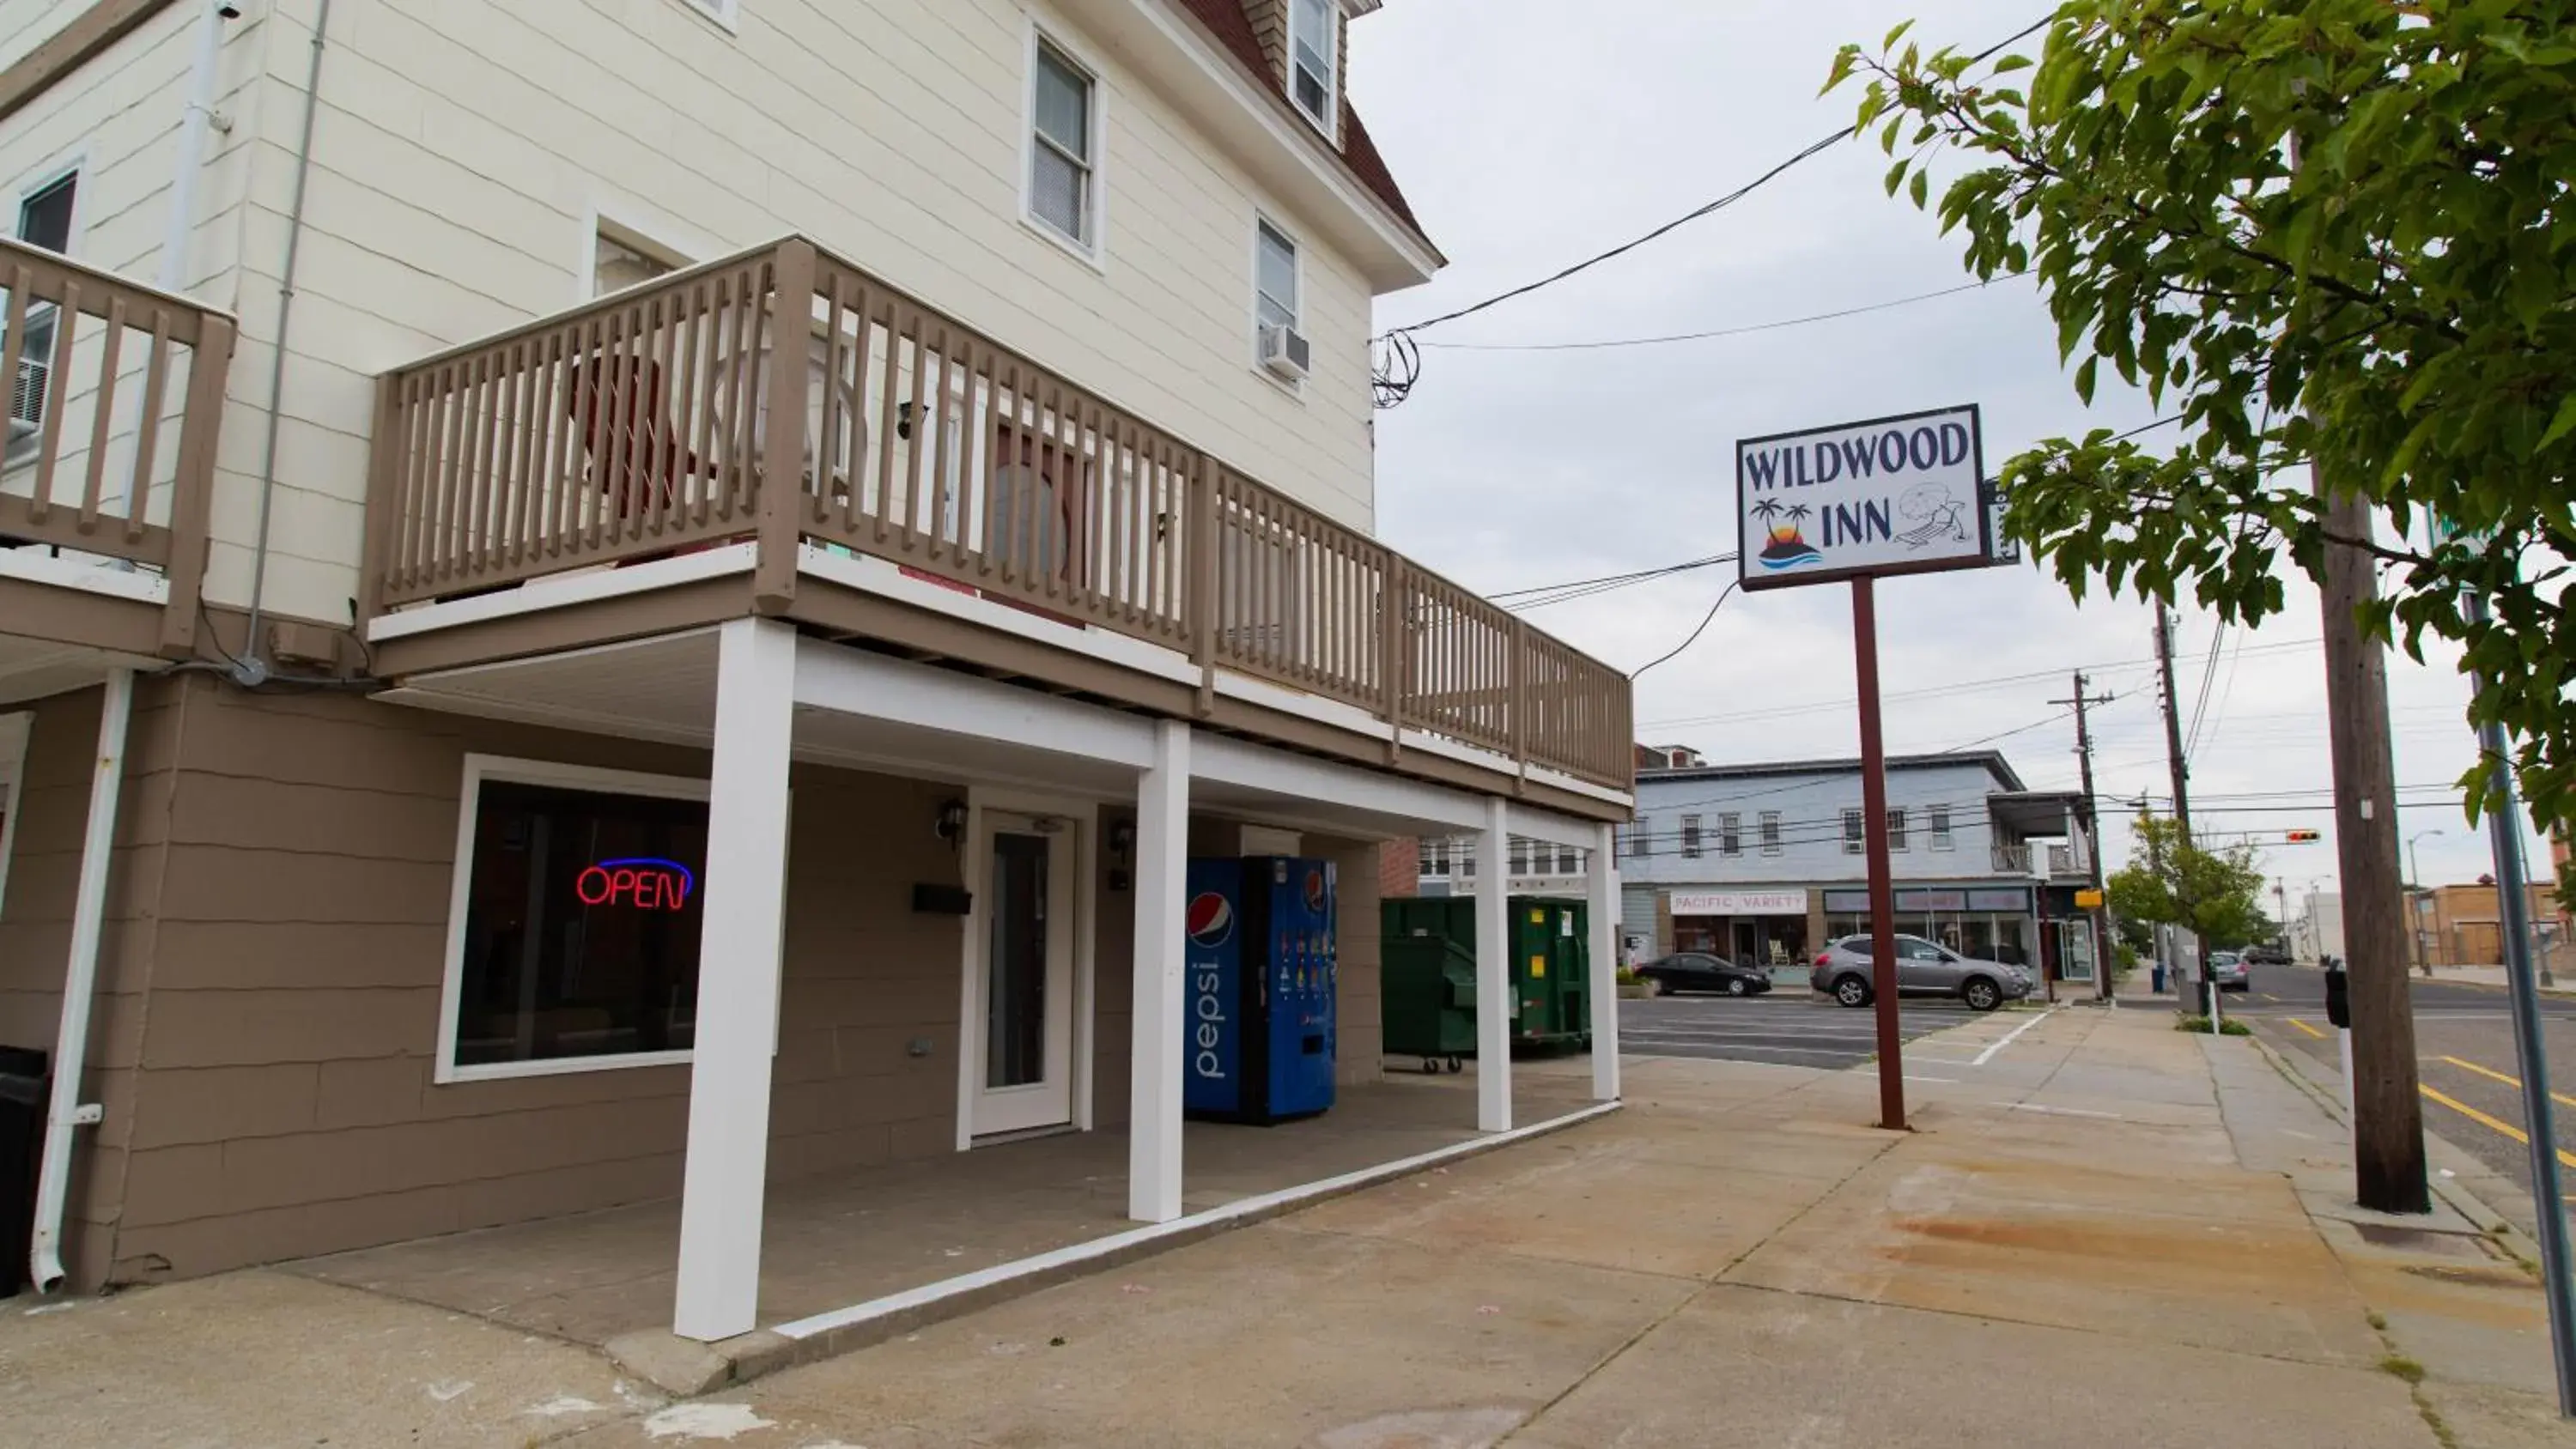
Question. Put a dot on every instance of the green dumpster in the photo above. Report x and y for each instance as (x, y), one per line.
(1428, 975)
(1427, 993)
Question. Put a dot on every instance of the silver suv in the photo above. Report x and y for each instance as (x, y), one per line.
(1923, 968)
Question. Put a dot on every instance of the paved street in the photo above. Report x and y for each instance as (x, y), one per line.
(1792, 1026)
(2464, 1047)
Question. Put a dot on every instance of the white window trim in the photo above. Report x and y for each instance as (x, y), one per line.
(1094, 252)
(479, 768)
(1855, 845)
(1899, 828)
(1694, 838)
(637, 226)
(725, 15)
(1730, 834)
(1939, 827)
(1771, 831)
(1297, 258)
(1331, 122)
(73, 163)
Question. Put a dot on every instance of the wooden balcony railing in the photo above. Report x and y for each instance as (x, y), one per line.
(115, 395)
(651, 422)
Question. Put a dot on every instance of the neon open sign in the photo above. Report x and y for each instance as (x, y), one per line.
(642, 883)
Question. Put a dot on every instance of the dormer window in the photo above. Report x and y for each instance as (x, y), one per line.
(1312, 55)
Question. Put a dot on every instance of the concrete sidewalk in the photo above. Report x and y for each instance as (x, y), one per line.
(2101, 1230)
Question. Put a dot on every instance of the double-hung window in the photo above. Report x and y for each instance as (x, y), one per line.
(1690, 837)
(45, 221)
(1064, 156)
(1941, 839)
(1641, 839)
(1313, 53)
(1896, 828)
(1435, 858)
(1855, 832)
(1730, 834)
(1274, 278)
(1770, 832)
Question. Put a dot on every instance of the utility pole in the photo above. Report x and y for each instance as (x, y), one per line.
(2093, 832)
(2388, 1115)
(2182, 805)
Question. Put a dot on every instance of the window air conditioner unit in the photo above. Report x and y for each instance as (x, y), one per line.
(1284, 351)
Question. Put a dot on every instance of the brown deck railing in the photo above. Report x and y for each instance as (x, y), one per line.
(115, 394)
(648, 423)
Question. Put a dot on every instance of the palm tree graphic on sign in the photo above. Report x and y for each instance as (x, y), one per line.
(1786, 548)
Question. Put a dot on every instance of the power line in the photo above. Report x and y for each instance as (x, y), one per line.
(1813, 148)
(1934, 691)
(1540, 598)
(1400, 365)
(1723, 331)
(1722, 596)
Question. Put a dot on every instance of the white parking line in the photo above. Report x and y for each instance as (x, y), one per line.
(2066, 1111)
(1776, 1051)
(2011, 1036)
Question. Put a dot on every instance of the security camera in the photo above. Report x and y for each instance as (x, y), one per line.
(228, 10)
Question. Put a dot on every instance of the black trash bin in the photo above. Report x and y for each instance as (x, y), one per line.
(24, 1087)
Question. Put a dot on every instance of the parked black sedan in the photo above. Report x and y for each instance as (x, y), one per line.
(1698, 971)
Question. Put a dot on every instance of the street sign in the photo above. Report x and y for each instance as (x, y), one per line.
(2088, 900)
(1896, 495)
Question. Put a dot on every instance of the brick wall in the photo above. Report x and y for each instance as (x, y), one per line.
(1399, 868)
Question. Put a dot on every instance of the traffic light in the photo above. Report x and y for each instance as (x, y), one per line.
(2304, 837)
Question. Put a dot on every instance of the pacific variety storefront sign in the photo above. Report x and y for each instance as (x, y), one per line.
(1738, 903)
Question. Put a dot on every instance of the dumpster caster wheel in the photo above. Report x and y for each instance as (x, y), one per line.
(1431, 1066)
(1455, 1065)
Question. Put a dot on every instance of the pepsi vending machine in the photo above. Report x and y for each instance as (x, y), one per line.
(1257, 1009)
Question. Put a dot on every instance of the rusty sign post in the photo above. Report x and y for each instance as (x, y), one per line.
(1854, 503)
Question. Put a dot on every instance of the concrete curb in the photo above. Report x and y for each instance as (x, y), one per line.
(685, 1368)
(2441, 1153)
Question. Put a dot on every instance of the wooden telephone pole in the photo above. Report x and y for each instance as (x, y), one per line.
(2388, 1116)
(2100, 914)
(2181, 765)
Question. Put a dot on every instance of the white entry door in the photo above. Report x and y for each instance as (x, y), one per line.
(1022, 1027)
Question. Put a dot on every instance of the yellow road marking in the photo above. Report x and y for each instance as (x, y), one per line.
(2303, 1026)
(2565, 1157)
(2494, 1075)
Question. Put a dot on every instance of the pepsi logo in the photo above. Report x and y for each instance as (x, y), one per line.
(1314, 890)
(1210, 920)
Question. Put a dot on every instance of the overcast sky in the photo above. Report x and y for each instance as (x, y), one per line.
(1529, 134)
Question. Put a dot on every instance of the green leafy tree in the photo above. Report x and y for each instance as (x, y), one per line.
(2326, 232)
(2217, 894)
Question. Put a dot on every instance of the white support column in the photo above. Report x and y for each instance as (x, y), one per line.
(1603, 993)
(1155, 1051)
(743, 924)
(1493, 973)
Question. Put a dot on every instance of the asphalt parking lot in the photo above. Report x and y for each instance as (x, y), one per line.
(1791, 1025)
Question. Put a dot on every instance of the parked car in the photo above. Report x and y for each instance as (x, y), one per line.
(2227, 968)
(2266, 956)
(1698, 971)
(1923, 968)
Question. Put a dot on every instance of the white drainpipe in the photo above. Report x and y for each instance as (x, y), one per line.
(80, 981)
(194, 123)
